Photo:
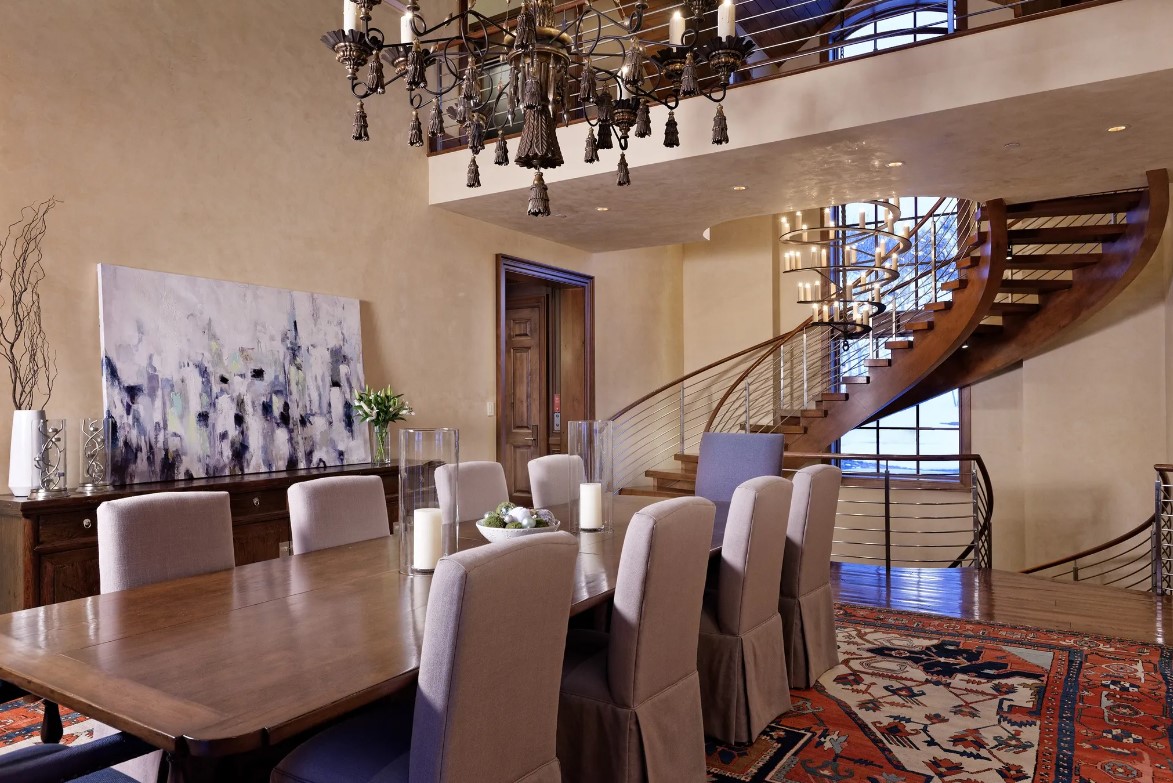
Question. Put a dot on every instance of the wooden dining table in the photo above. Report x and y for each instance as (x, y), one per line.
(236, 661)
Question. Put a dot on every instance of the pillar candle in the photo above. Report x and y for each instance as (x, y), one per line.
(676, 29)
(427, 546)
(590, 506)
(726, 20)
(861, 219)
(349, 15)
(406, 29)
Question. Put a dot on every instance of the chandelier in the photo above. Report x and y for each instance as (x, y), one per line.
(466, 66)
(852, 263)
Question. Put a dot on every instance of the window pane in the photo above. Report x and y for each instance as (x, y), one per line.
(899, 442)
(942, 411)
(904, 418)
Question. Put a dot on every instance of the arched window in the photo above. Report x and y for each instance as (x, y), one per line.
(885, 25)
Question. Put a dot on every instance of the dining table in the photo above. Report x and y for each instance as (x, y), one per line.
(230, 663)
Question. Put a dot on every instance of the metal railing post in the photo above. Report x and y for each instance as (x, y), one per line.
(951, 16)
(804, 368)
(934, 259)
(747, 406)
(978, 544)
(681, 419)
(887, 517)
(1155, 539)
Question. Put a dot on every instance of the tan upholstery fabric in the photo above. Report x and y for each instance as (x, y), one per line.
(161, 536)
(554, 481)
(630, 709)
(154, 538)
(487, 701)
(481, 488)
(741, 657)
(807, 607)
(337, 510)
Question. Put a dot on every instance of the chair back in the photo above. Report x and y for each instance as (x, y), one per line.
(161, 536)
(479, 487)
(658, 593)
(729, 459)
(554, 481)
(491, 665)
(337, 510)
(754, 544)
(811, 529)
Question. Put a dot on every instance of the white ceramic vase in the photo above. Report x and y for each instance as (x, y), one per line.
(23, 475)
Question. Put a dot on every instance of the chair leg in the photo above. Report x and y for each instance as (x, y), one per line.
(51, 728)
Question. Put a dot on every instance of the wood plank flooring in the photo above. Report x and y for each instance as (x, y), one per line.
(1008, 597)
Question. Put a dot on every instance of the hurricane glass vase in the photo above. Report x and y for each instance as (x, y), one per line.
(591, 442)
(427, 517)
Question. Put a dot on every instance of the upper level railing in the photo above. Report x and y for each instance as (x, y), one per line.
(789, 36)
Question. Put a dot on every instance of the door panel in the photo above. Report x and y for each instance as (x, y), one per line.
(525, 388)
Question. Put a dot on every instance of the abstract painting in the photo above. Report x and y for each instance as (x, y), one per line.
(211, 378)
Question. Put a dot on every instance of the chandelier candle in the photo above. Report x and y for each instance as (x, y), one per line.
(349, 15)
(676, 29)
(406, 30)
(726, 20)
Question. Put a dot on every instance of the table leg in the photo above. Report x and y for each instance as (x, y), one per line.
(51, 729)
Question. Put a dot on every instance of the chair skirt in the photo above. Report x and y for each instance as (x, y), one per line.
(744, 683)
(809, 629)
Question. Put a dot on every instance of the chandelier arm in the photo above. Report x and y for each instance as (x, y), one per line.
(598, 34)
(360, 90)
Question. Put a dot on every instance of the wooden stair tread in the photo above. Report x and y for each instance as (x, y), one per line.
(936, 307)
(1054, 261)
(917, 326)
(671, 475)
(898, 345)
(855, 379)
(833, 397)
(1066, 235)
(814, 413)
(968, 262)
(649, 492)
(780, 429)
(1033, 286)
(1015, 308)
(687, 459)
(954, 285)
(877, 362)
(1101, 204)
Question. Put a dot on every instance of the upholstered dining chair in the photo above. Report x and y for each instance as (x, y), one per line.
(337, 510)
(807, 607)
(486, 708)
(481, 488)
(742, 655)
(154, 538)
(554, 481)
(86, 763)
(631, 705)
(728, 459)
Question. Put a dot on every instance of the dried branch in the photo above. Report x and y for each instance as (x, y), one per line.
(24, 346)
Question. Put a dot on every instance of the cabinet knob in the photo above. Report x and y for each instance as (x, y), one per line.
(256, 502)
(87, 523)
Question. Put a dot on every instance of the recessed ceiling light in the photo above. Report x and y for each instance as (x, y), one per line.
(1117, 128)
(965, 346)
(895, 164)
(602, 209)
(1012, 145)
(739, 187)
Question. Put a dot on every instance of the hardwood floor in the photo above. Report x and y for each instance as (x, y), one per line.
(1008, 597)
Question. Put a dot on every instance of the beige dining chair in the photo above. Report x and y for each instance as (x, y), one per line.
(631, 705)
(742, 654)
(155, 538)
(479, 487)
(554, 480)
(727, 459)
(337, 510)
(487, 701)
(807, 606)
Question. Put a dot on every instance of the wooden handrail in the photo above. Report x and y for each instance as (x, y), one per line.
(1120, 539)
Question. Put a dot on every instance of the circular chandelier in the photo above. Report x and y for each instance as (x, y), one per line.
(531, 63)
(853, 262)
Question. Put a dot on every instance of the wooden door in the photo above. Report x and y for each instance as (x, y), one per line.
(524, 414)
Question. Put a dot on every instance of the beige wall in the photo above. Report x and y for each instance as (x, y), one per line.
(214, 139)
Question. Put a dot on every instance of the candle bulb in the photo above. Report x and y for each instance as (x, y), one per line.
(798, 218)
(349, 15)
(825, 263)
(406, 29)
(815, 312)
(590, 506)
(426, 547)
(876, 292)
(726, 20)
(676, 29)
(862, 223)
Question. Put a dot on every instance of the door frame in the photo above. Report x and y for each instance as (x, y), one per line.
(564, 278)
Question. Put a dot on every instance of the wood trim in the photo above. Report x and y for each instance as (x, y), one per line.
(1120, 539)
(563, 278)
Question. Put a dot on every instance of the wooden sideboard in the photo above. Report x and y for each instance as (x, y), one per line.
(49, 548)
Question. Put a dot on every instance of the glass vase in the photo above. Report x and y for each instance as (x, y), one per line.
(95, 454)
(591, 442)
(427, 518)
(49, 460)
(380, 444)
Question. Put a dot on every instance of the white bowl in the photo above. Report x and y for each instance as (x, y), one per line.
(505, 533)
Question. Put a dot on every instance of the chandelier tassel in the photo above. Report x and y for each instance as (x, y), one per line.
(606, 105)
(531, 96)
(415, 131)
(538, 146)
(592, 150)
(624, 178)
(720, 127)
(688, 83)
(416, 68)
(468, 88)
(436, 120)
(605, 137)
(360, 124)
(539, 197)
(501, 151)
(476, 135)
(589, 88)
(643, 121)
(671, 131)
(375, 81)
(474, 173)
(525, 34)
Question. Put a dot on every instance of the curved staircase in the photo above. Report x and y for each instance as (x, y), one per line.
(997, 284)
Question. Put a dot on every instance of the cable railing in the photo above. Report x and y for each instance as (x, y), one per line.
(936, 517)
(789, 37)
(1125, 561)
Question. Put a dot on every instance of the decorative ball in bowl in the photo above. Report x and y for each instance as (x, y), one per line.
(510, 521)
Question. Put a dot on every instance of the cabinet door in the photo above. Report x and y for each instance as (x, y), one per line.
(69, 575)
(258, 541)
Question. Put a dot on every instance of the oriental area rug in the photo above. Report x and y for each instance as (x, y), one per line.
(920, 698)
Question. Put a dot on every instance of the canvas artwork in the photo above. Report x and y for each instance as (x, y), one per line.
(210, 378)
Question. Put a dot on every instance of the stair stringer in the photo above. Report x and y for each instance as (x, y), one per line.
(1092, 289)
(951, 328)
